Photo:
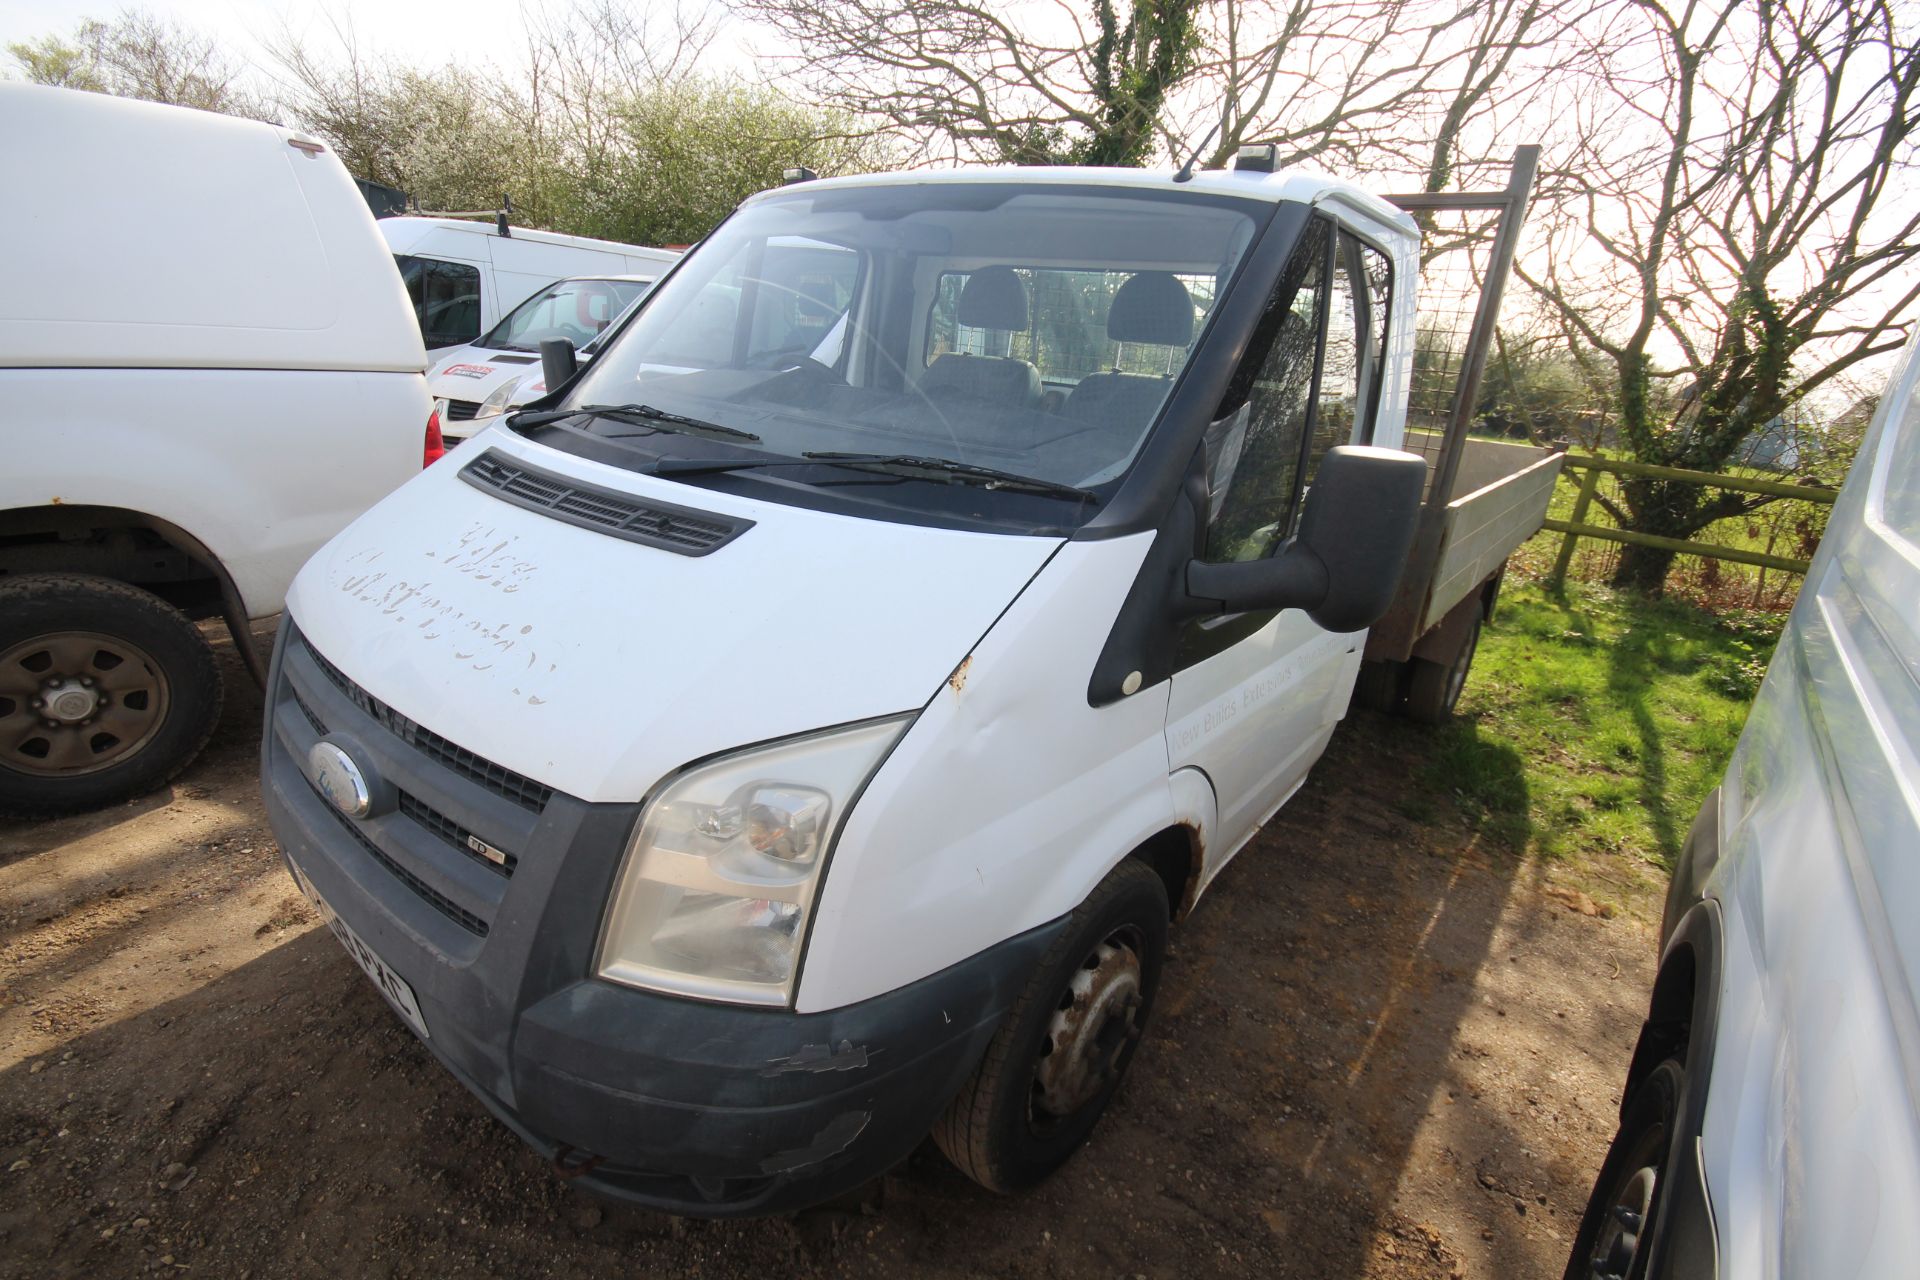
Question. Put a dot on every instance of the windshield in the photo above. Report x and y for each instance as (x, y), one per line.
(577, 310)
(1030, 328)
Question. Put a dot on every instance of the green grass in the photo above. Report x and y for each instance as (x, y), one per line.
(1594, 723)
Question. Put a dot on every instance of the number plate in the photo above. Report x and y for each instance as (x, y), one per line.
(391, 984)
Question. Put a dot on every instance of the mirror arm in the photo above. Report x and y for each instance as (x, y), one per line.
(1294, 579)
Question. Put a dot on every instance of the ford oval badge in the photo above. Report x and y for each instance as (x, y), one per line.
(339, 779)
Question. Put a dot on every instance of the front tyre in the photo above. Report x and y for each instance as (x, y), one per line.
(1064, 1047)
(106, 691)
(1612, 1243)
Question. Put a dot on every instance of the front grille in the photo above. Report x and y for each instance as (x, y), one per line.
(457, 836)
(618, 515)
(431, 896)
(462, 410)
(504, 782)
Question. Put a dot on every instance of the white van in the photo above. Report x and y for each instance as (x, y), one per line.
(501, 369)
(806, 729)
(463, 277)
(208, 368)
(1770, 1123)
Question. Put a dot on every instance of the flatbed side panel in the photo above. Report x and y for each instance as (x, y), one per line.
(1482, 530)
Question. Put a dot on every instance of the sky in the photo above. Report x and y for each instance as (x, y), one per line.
(467, 31)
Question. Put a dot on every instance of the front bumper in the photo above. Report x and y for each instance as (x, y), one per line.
(684, 1106)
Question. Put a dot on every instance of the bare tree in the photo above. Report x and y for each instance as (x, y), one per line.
(1736, 232)
(138, 55)
(1354, 84)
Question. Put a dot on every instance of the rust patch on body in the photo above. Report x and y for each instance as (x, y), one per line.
(1197, 852)
(958, 680)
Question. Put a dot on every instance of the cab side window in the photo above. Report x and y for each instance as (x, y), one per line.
(1356, 336)
(445, 297)
(1256, 444)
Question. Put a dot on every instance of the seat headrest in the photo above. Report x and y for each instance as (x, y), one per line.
(993, 298)
(1152, 306)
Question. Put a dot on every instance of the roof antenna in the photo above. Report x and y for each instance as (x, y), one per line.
(1186, 170)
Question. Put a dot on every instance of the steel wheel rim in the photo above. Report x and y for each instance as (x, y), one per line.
(74, 703)
(1096, 1020)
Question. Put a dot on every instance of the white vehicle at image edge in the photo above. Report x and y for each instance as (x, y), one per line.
(1770, 1124)
(501, 369)
(463, 277)
(209, 367)
(800, 733)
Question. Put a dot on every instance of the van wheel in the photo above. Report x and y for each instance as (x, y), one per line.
(1612, 1243)
(1059, 1057)
(106, 691)
(1380, 686)
(1433, 690)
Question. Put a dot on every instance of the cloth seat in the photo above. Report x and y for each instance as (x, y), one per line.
(992, 298)
(1154, 308)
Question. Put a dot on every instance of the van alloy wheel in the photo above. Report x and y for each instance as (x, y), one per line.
(1620, 1228)
(1620, 1233)
(75, 702)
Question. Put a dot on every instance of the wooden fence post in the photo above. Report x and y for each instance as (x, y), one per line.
(1562, 562)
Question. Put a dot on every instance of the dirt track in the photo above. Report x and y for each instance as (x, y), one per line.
(1379, 1053)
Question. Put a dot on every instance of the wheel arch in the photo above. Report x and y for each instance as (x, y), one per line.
(1177, 855)
(130, 546)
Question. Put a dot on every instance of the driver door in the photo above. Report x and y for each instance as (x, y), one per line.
(1255, 696)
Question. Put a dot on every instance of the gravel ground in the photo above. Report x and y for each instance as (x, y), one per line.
(1381, 1051)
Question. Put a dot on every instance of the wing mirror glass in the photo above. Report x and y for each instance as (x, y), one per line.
(1344, 565)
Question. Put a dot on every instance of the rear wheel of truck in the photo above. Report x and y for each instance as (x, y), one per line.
(1433, 688)
(1622, 1213)
(1381, 686)
(106, 691)
(1063, 1049)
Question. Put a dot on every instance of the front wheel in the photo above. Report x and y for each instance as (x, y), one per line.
(1620, 1216)
(1059, 1057)
(106, 691)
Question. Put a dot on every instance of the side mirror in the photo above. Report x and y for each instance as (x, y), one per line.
(557, 361)
(1344, 565)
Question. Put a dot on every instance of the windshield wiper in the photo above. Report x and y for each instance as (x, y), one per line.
(911, 466)
(642, 414)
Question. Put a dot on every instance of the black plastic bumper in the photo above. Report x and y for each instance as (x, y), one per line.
(684, 1106)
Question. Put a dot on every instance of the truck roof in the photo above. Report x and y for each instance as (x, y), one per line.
(1303, 186)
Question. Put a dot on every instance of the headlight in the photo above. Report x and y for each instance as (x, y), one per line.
(718, 881)
(497, 403)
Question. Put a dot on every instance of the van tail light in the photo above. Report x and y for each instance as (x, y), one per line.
(436, 446)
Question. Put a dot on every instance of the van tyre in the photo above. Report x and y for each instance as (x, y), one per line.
(1433, 688)
(1060, 1054)
(1618, 1226)
(106, 692)
(1381, 686)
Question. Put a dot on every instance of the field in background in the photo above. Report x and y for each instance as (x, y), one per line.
(1594, 723)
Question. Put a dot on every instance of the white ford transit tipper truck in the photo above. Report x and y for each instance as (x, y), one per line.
(799, 730)
(1770, 1123)
(207, 367)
